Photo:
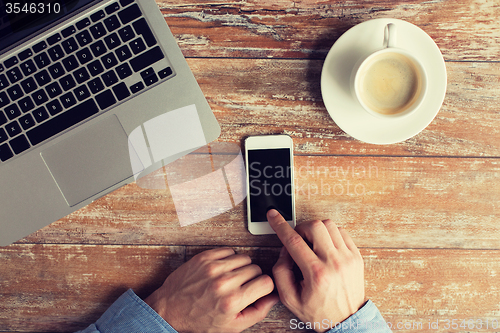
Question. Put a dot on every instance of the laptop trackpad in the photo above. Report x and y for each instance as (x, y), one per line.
(90, 160)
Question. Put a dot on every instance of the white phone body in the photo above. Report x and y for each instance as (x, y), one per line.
(270, 180)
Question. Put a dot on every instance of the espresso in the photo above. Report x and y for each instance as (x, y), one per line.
(390, 83)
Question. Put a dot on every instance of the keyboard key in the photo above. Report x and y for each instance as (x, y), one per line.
(39, 47)
(146, 59)
(70, 63)
(3, 135)
(126, 33)
(95, 68)
(19, 144)
(54, 107)
(125, 3)
(121, 91)
(42, 78)
(99, 15)
(123, 53)
(40, 114)
(112, 41)
(56, 70)
(40, 97)
(70, 45)
(137, 45)
(82, 24)
(112, 23)
(3, 118)
(149, 76)
(12, 111)
(5, 152)
(109, 78)
(67, 82)
(54, 39)
(98, 48)
(137, 87)
(55, 53)
(26, 104)
(68, 100)
(129, 14)
(11, 62)
(25, 54)
(84, 56)
(53, 89)
(105, 99)
(141, 27)
(95, 85)
(123, 71)
(109, 60)
(165, 72)
(27, 121)
(83, 38)
(14, 75)
(63, 121)
(82, 93)
(97, 30)
(42, 60)
(68, 31)
(15, 92)
(13, 129)
(112, 8)
(28, 67)
(81, 75)
(28, 85)
(4, 83)
(4, 100)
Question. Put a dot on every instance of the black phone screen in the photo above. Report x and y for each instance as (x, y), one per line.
(270, 183)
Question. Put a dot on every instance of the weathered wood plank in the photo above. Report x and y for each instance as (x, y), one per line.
(274, 96)
(63, 288)
(383, 201)
(464, 29)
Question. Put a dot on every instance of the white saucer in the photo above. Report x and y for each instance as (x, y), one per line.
(359, 41)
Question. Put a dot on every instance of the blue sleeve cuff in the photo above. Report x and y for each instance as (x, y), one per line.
(130, 314)
(367, 319)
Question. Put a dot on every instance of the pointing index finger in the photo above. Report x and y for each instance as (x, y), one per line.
(300, 252)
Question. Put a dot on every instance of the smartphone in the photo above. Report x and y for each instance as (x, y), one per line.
(269, 178)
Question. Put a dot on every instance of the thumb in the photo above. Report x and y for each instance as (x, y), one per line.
(254, 313)
(284, 279)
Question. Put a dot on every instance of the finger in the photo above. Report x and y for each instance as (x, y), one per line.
(335, 235)
(235, 261)
(348, 241)
(254, 313)
(244, 274)
(255, 289)
(295, 245)
(284, 278)
(317, 233)
(215, 254)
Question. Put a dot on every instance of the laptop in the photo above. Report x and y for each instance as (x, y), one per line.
(93, 94)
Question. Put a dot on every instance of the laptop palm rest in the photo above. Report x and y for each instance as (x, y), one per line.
(90, 161)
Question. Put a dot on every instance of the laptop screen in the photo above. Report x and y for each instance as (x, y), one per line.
(20, 18)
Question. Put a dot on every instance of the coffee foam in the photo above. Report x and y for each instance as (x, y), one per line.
(390, 83)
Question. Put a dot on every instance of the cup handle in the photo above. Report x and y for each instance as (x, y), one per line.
(391, 35)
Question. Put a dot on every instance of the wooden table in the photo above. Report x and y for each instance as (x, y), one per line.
(427, 221)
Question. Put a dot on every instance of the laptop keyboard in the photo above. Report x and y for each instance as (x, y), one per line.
(75, 73)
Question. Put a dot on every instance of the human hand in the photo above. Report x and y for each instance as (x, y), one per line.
(214, 292)
(333, 271)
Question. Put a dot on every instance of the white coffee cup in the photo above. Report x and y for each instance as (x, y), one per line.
(391, 82)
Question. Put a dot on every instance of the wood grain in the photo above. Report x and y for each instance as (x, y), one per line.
(464, 30)
(383, 201)
(75, 284)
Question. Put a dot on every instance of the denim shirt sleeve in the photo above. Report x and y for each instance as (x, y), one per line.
(130, 314)
(367, 320)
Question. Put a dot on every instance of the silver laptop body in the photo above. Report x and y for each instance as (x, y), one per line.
(124, 102)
